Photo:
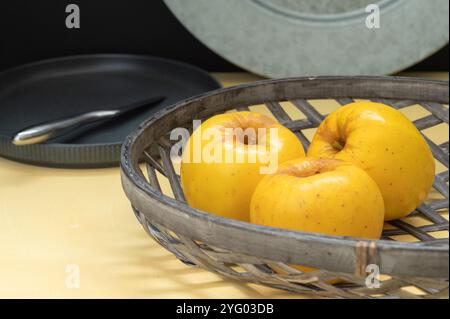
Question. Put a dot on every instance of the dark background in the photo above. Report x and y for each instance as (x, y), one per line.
(32, 30)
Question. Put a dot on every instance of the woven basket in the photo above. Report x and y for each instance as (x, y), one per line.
(264, 255)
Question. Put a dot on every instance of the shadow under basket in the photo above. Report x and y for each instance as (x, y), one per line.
(416, 267)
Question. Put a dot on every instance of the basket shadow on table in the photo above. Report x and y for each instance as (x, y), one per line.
(157, 273)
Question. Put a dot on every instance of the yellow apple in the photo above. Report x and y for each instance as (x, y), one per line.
(383, 142)
(320, 195)
(227, 156)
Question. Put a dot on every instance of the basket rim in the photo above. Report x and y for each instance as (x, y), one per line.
(133, 179)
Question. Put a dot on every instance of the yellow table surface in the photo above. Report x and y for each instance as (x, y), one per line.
(52, 220)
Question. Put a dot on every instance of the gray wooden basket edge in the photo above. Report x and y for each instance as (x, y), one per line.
(290, 247)
(391, 82)
(234, 235)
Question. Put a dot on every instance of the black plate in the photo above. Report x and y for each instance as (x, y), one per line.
(56, 88)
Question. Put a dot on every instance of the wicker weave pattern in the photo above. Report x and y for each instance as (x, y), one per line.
(281, 275)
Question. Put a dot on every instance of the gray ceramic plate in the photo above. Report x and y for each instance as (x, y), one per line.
(280, 38)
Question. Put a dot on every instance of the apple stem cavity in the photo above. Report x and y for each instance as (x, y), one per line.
(338, 145)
